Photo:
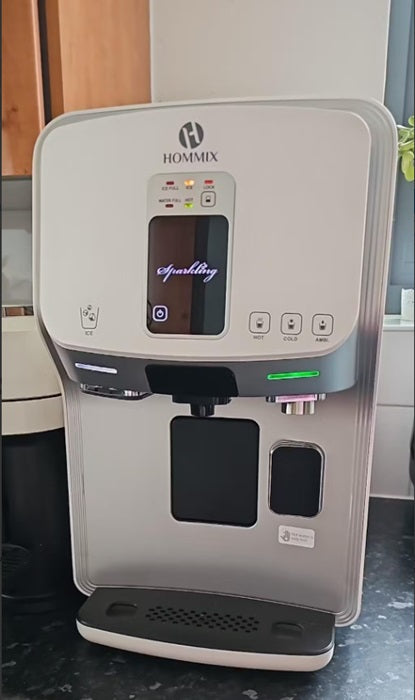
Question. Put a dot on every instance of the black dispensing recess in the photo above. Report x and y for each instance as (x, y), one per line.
(201, 387)
(296, 480)
(214, 470)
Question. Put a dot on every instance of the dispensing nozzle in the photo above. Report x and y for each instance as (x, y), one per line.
(202, 406)
(298, 405)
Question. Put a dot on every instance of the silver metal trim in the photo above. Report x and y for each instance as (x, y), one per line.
(297, 405)
(113, 393)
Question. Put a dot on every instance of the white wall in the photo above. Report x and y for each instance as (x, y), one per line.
(16, 242)
(243, 48)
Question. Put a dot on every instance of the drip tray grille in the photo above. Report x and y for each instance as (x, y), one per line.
(209, 620)
(202, 618)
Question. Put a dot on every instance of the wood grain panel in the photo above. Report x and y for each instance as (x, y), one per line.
(22, 95)
(98, 53)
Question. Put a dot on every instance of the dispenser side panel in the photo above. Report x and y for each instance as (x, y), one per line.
(291, 182)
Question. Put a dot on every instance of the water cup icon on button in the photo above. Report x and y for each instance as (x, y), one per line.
(323, 324)
(89, 316)
(160, 313)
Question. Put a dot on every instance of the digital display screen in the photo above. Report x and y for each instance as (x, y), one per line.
(187, 267)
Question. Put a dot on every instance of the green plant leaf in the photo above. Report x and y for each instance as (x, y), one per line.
(407, 165)
(406, 148)
(410, 173)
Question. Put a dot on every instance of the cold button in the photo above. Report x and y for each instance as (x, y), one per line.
(291, 324)
(208, 199)
(323, 324)
(259, 322)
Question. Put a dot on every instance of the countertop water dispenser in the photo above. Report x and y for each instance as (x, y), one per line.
(210, 281)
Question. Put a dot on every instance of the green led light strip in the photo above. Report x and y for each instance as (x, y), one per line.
(294, 375)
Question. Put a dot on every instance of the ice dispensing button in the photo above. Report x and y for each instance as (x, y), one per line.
(323, 324)
(89, 316)
(259, 322)
(208, 198)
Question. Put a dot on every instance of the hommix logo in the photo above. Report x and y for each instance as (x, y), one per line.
(190, 137)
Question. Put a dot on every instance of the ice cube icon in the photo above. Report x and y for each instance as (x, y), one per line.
(89, 316)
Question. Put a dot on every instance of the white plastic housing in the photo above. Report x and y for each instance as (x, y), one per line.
(297, 223)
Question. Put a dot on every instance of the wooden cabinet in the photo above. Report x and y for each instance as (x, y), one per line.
(65, 55)
(22, 91)
(98, 53)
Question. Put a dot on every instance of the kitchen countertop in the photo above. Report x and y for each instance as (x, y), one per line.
(44, 657)
(394, 322)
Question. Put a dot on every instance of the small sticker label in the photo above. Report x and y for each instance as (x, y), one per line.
(296, 536)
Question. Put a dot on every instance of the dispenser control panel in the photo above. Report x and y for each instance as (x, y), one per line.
(189, 249)
(191, 193)
(240, 247)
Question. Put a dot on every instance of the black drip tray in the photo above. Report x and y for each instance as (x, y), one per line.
(209, 620)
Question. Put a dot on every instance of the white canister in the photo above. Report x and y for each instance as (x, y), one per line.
(407, 304)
